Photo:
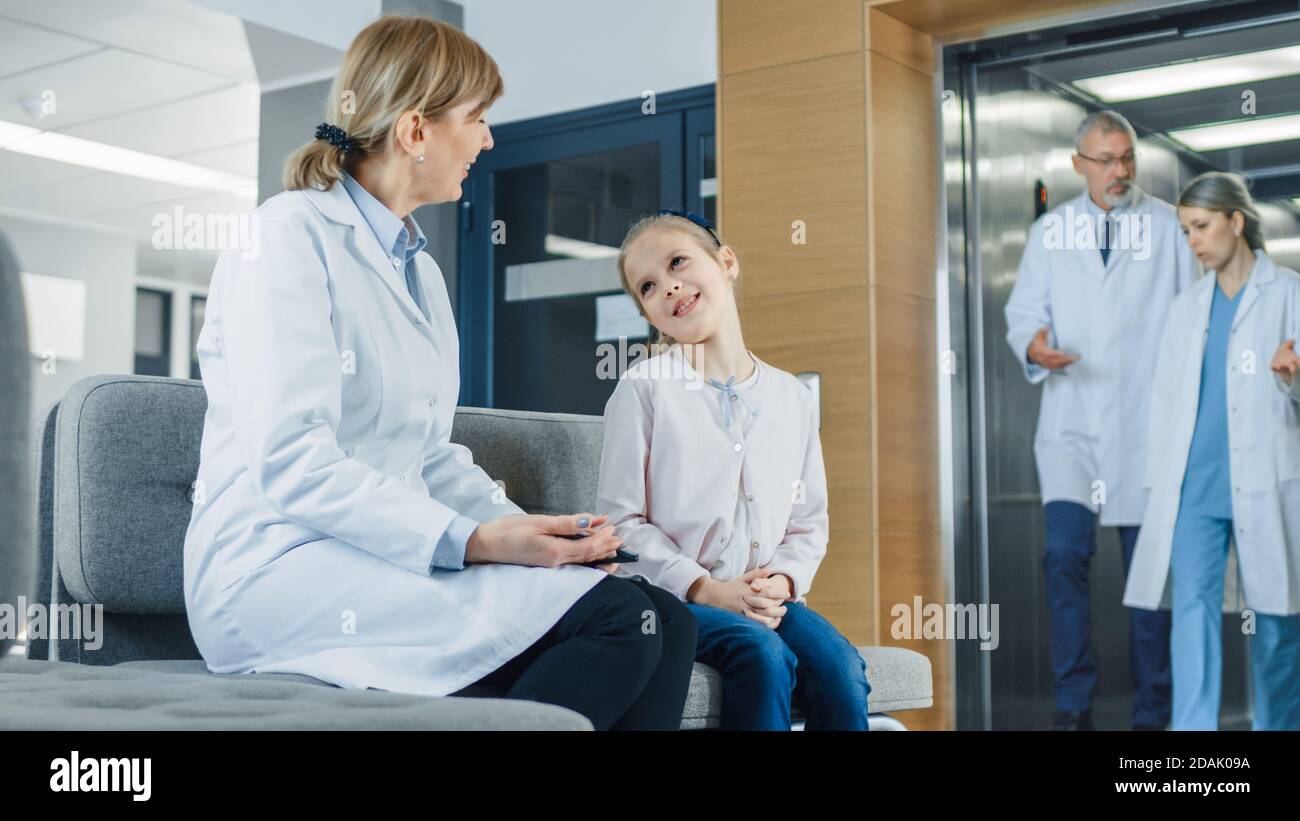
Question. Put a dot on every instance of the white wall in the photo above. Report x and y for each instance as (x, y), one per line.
(562, 55)
(555, 55)
(106, 263)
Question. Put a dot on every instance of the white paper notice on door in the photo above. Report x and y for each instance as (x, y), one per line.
(617, 316)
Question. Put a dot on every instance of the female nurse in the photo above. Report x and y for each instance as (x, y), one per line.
(338, 532)
(1224, 462)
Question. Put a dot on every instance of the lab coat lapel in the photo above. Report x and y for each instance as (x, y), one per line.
(1088, 254)
(338, 206)
(1204, 300)
(1263, 274)
(1133, 223)
(1092, 264)
(1115, 258)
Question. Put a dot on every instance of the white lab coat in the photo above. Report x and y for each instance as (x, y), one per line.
(326, 476)
(1263, 441)
(1092, 421)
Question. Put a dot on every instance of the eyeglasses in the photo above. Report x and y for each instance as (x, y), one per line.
(695, 218)
(1106, 160)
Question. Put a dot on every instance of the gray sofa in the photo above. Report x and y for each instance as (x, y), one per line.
(113, 463)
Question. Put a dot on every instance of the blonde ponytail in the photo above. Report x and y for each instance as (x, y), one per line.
(315, 165)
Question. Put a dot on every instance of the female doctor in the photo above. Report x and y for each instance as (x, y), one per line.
(1224, 462)
(337, 532)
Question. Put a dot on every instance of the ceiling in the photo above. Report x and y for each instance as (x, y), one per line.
(1273, 167)
(163, 77)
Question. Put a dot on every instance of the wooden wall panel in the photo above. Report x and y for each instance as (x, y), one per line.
(760, 33)
(952, 18)
(910, 567)
(792, 154)
(828, 331)
(838, 132)
(890, 38)
(902, 194)
(901, 136)
(907, 423)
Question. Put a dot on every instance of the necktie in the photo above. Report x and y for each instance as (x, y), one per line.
(1105, 244)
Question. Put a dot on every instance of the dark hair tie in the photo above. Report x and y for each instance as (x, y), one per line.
(335, 136)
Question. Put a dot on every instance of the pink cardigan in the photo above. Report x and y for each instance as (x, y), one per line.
(670, 472)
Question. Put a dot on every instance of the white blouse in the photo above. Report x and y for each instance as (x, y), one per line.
(679, 453)
(736, 557)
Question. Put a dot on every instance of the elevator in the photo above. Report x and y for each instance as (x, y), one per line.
(1010, 106)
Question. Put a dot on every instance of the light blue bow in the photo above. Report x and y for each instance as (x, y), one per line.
(727, 396)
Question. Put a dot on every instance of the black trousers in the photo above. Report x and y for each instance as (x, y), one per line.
(621, 656)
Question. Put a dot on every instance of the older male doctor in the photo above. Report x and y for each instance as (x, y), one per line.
(1084, 319)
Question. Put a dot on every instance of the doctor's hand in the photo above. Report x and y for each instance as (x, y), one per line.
(1285, 362)
(534, 540)
(1043, 354)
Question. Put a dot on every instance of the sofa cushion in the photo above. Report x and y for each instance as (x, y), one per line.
(126, 453)
(900, 680)
(549, 462)
(52, 695)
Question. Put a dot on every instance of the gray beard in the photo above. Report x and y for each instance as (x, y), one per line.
(1121, 200)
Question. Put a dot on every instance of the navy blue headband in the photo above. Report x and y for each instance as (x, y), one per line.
(695, 218)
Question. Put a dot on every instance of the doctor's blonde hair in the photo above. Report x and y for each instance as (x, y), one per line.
(395, 64)
(702, 238)
(1225, 193)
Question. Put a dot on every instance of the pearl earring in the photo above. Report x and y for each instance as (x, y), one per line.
(419, 159)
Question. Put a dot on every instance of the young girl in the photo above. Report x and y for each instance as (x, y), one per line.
(712, 472)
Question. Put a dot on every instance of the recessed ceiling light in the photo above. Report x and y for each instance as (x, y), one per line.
(64, 148)
(1285, 245)
(1239, 132)
(577, 248)
(1211, 72)
(12, 132)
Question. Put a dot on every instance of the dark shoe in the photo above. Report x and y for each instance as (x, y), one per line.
(1072, 720)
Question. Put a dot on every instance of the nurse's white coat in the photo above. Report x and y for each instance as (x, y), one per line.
(1089, 441)
(1263, 441)
(326, 473)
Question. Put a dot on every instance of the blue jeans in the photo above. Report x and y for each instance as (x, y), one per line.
(804, 658)
(1071, 541)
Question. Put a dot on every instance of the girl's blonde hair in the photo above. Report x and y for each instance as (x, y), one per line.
(395, 64)
(702, 238)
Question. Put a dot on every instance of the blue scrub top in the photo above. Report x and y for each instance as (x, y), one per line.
(1207, 485)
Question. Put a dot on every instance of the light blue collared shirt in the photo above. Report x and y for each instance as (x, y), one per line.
(1104, 227)
(395, 237)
